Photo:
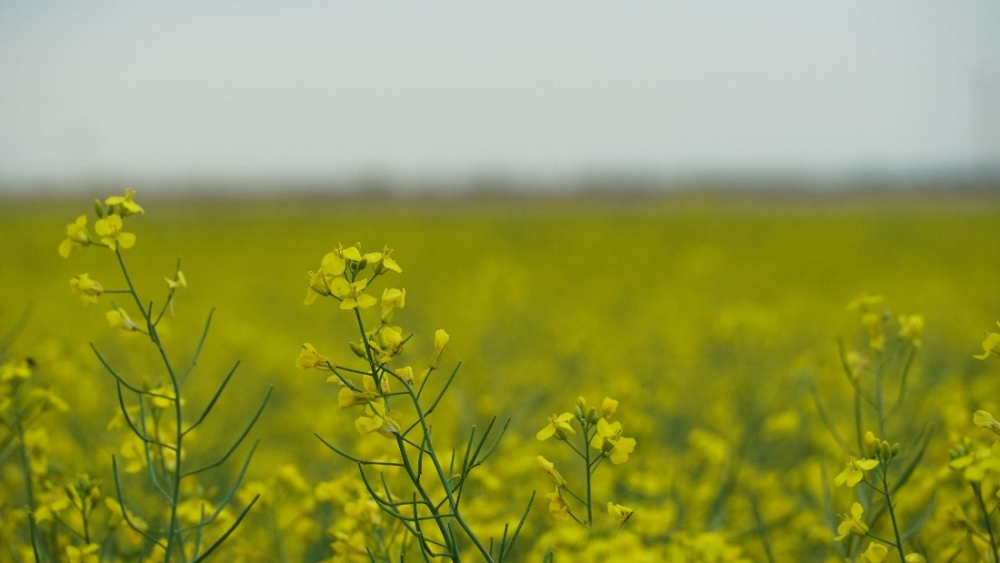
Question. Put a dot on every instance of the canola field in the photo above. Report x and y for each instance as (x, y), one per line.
(679, 379)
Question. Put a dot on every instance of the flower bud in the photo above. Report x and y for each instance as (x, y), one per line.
(358, 350)
(99, 208)
(593, 416)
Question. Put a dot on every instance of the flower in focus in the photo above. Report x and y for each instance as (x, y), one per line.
(852, 523)
(335, 261)
(88, 289)
(380, 261)
(377, 420)
(118, 318)
(76, 235)
(392, 301)
(620, 513)
(550, 468)
(855, 471)
(558, 426)
(309, 358)
(124, 206)
(991, 345)
(351, 294)
(609, 440)
(558, 506)
(110, 229)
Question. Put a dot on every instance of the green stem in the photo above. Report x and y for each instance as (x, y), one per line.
(586, 459)
(884, 470)
(986, 520)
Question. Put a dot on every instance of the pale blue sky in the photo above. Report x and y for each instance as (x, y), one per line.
(138, 90)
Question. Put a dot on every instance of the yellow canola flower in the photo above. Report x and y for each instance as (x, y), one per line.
(915, 558)
(88, 289)
(392, 300)
(910, 328)
(377, 420)
(124, 206)
(609, 407)
(558, 506)
(864, 302)
(550, 468)
(118, 318)
(36, 442)
(319, 286)
(609, 441)
(15, 370)
(876, 553)
(559, 426)
(852, 523)
(976, 464)
(76, 235)
(309, 358)
(335, 261)
(873, 322)
(110, 229)
(620, 513)
(179, 281)
(984, 419)
(441, 339)
(86, 554)
(351, 294)
(855, 471)
(991, 345)
(381, 261)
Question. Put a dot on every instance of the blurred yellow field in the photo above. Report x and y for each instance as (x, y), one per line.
(721, 328)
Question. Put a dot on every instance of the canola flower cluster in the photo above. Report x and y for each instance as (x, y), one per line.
(416, 478)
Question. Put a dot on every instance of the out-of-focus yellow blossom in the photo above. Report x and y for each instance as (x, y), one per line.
(984, 419)
(88, 289)
(876, 338)
(620, 513)
(991, 345)
(111, 231)
(381, 261)
(609, 407)
(164, 398)
(558, 506)
(353, 544)
(179, 281)
(118, 318)
(50, 503)
(192, 511)
(550, 468)
(876, 553)
(609, 440)
(852, 523)
(15, 370)
(48, 399)
(36, 442)
(134, 455)
(392, 300)
(378, 420)
(915, 558)
(309, 358)
(864, 302)
(76, 235)
(352, 294)
(910, 328)
(858, 364)
(85, 554)
(976, 464)
(559, 426)
(855, 471)
(124, 205)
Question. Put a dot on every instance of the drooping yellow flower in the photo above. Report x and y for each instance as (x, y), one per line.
(855, 471)
(179, 281)
(377, 420)
(124, 206)
(910, 328)
(550, 468)
(620, 513)
(441, 339)
(392, 300)
(609, 441)
(348, 398)
(976, 464)
(852, 523)
(309, 358)
(351, 294)
(558, 506)
(88, 289)
(875, 553)
(608, 407)
(991, 345)
(118, 318)
(76, 235)
(559, 426)
(111, 231)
